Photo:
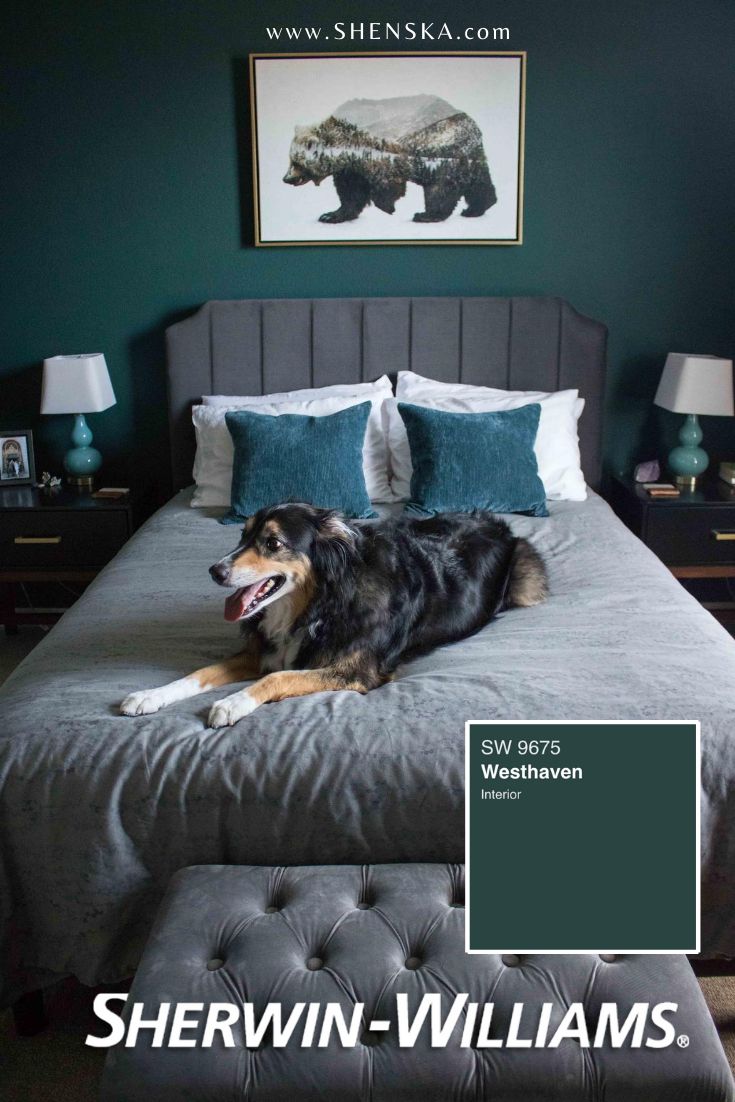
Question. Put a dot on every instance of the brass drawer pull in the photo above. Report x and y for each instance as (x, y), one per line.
(724, 533)
(45, 539)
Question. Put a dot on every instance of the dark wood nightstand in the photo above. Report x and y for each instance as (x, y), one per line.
(694, 534)
(60, 536)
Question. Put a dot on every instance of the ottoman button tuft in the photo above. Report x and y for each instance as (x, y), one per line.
(607, 957)
(362, 906)
(314, 964)
(271, 910)
(413, 963)
(510, 960)
(457, 903)
(214, 964)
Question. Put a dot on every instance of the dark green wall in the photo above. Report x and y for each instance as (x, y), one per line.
(122, 193)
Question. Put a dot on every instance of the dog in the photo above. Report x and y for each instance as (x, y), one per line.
(326, 605)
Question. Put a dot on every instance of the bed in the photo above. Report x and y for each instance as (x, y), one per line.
(98, 810)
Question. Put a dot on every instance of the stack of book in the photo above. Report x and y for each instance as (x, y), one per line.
(661, 489)
(110, 493)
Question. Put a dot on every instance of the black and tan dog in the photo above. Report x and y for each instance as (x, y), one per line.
(326, 604)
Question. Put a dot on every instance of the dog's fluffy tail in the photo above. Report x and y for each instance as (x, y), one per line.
(529, 582)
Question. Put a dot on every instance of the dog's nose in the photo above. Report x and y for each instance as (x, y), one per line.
(219, 573)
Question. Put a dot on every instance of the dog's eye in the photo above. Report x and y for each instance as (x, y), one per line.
(273, 544)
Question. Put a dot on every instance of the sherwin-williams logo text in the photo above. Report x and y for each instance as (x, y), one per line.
(471, 1024)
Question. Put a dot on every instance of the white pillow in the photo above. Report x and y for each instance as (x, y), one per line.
(215, 452)
(557, 441)
(336, 390)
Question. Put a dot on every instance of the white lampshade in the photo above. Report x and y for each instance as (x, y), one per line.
(76, 384)
(696, 384)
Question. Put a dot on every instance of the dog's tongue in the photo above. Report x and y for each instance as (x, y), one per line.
(238, 601)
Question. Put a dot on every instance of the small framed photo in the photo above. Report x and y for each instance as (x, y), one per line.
(17, 467)
(388, 148)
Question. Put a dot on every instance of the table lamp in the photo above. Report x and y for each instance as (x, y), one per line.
(694, 385)
(78, 384)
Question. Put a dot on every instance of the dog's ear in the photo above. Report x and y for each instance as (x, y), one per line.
(334, 546)
(249, 527)
(333, 526)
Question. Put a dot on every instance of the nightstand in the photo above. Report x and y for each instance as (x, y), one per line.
(694, 534)
(61, 536)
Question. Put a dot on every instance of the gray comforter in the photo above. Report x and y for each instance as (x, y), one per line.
(98, 810)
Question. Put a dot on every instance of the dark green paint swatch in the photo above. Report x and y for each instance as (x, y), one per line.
(599, 854)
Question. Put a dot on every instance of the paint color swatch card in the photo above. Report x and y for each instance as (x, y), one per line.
(582, 837)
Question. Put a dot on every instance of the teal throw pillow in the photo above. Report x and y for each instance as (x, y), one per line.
(292, 457)
(465, 461)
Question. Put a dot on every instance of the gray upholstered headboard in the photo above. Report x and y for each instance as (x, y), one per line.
(258, 346)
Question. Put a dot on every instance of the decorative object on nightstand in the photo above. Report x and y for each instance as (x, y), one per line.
(49, 483)
(727, 473)
(16, 458)
(78, 384)
(694, 385)
(648, 471)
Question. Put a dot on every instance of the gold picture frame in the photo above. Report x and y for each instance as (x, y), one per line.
(377, 155)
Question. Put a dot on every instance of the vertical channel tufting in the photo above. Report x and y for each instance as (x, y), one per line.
(509, 351)
(262, 346)
(311, 342)
(582, 365)
(188, 377)
(235, 347)
(336, 340)
(410, 336)
(435, 338)
(535, 344)
(362, 342)
(210, 331)
(385, 336)
(485, 324)
(559, 347)
(286, 344)
(262, 358)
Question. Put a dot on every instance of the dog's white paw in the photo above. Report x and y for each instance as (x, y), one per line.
(151, 700)
(224, 713)
(143, 703)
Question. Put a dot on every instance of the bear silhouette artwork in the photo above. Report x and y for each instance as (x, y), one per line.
(374, 147)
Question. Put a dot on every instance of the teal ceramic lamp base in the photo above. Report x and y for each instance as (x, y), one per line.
(82, 462)
(688, 461)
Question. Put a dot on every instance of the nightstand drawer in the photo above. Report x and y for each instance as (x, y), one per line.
(683, 536)
(60, 540)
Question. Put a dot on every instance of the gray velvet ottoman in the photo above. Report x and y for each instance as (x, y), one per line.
(350, 934)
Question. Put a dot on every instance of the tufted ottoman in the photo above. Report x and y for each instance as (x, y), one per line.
(349, 934)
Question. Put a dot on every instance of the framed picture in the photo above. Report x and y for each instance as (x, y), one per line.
(16, 458)
(388, 148)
